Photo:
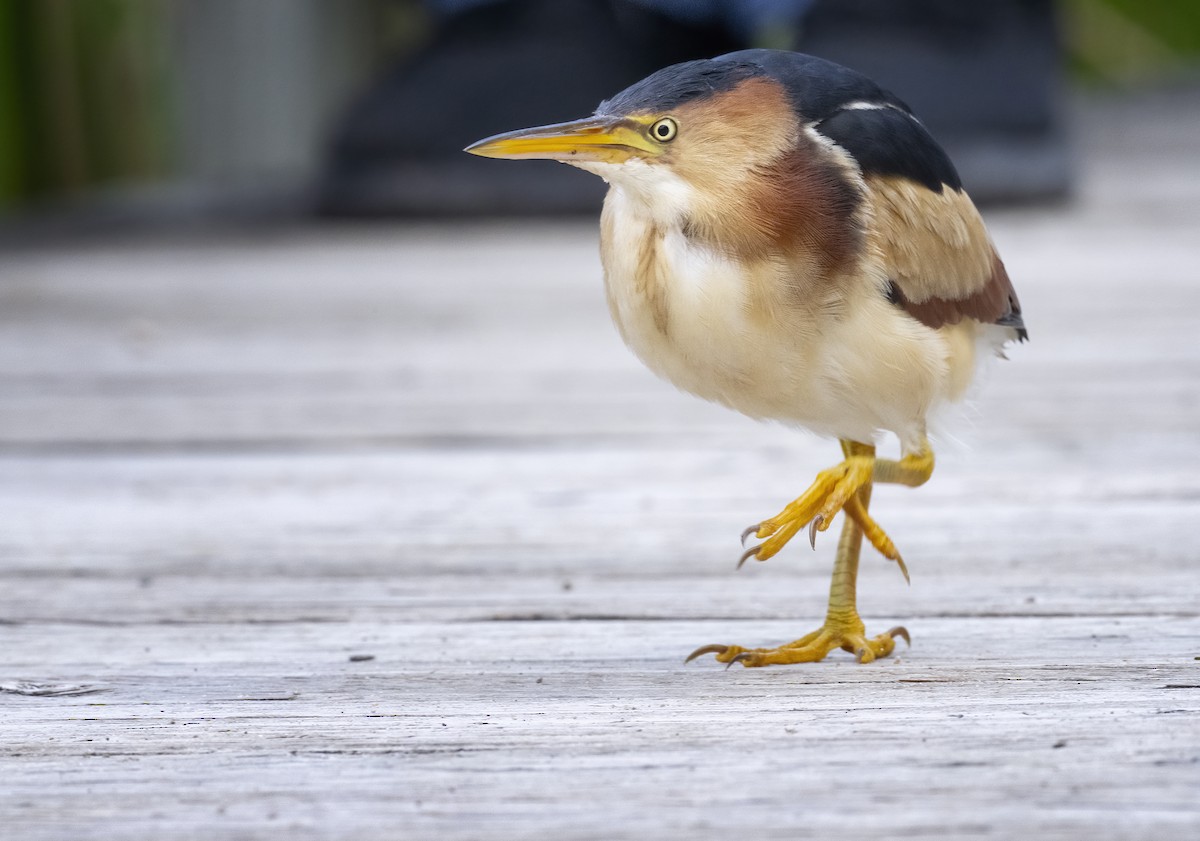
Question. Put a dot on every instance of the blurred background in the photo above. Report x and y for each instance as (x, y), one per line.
(127, 112)
(315, 437)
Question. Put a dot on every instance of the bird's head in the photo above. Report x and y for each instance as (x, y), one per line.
(693, 130)
(728, 150)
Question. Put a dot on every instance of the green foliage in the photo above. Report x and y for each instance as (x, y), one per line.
(13, 150)
(1127, 42)
(1175, 23)
(83, 94)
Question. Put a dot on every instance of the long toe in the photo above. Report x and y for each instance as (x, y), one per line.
(749, 531)
(815, 508)
(809, 648)
(706, 649)
(752, 552)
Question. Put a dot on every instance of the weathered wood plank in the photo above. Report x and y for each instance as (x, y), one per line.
(485, 730)
(401, 346)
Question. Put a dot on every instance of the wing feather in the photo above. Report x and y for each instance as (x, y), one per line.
(938, 256)
(940, 261)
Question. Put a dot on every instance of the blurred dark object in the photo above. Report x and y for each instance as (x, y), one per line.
(488, 69)
(128, 114)
(984, 76)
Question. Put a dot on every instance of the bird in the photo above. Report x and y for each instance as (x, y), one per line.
(783, 236)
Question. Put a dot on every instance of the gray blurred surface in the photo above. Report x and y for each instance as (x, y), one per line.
(258, 84)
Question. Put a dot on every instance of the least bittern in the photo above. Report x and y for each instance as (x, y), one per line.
(783, 236)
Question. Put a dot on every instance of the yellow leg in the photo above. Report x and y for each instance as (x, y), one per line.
(846, 487)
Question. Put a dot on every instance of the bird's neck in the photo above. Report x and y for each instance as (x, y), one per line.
(653, 195)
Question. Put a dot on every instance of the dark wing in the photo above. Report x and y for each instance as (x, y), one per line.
(887, 140)
(939, 258)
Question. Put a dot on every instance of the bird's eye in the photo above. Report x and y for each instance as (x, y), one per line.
(664, 130)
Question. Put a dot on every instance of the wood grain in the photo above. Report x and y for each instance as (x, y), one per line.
(228, 466)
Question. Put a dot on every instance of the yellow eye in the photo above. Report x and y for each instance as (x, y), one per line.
(664, 130)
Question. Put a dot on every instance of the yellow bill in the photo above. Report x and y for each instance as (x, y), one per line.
(600, 139)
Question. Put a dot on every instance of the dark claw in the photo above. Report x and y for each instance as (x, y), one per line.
(752, 551)
(902, 632)
(903, 569)
(812, 531)
(706, 649)
(745, 655)
(749, 531)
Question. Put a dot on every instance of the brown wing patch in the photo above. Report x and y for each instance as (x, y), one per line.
(994, 303)
(938, 256)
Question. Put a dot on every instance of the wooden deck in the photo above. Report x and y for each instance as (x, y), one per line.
(381, 534)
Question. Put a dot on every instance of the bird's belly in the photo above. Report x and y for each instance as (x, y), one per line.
(747, 337)
(699, 320)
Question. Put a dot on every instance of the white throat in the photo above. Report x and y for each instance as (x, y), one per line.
(652, 191)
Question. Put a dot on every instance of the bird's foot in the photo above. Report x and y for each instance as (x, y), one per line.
(834, 490)
(812, 647)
